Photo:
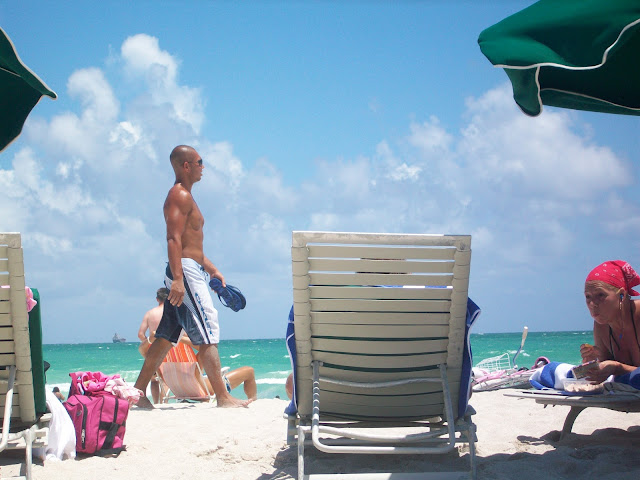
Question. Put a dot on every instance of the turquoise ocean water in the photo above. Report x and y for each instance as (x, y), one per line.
(271, 362)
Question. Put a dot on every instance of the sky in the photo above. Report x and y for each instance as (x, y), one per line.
(370, 116)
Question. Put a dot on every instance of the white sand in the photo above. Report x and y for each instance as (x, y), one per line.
(515, 441)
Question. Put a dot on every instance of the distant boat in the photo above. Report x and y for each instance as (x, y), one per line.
(118, 339)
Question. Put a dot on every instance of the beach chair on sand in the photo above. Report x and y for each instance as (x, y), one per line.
(182, 375)
(22, 384)
(374, 352)
(619, 401)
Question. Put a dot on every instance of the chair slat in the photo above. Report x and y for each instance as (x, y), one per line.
(391, 346)
(380, 361)
(321, 291)
(380, 332)
(389, 252)
(364, 265)
(380, 279)
(375, 318)
(375, 305)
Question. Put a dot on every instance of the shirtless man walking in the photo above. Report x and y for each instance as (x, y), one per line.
(189, 305)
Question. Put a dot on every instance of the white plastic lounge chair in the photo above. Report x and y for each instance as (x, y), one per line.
(373, 351)
(22, 424)
(619, 401)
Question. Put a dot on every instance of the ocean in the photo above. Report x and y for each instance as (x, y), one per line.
(270, 359)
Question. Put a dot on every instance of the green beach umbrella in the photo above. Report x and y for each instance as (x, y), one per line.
(579, 54)
(20, 90)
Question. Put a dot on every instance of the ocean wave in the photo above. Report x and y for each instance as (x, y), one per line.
(272, 381)
(235, 356)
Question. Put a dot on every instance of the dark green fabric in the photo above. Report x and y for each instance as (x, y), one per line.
(570, 34)
(37, 360)
(20, 91)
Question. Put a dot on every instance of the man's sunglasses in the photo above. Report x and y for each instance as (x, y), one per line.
(199, 162)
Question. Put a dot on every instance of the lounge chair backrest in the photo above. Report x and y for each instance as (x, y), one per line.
(181, 352)
(181, 372)
(377, 308)
(14, 329)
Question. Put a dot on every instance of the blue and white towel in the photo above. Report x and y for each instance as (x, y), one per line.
(554, 374)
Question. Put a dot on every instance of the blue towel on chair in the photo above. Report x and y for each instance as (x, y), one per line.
(292, 408)
(632, 379)
(473, 311)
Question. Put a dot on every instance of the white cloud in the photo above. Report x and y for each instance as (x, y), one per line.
(143, 57)
(47, 244)
(99, 103)
(430, 136)
(220, 156)
(542, 155)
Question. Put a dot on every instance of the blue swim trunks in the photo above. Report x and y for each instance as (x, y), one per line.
(196, 316)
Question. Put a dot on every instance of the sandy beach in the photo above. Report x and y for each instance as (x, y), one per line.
(516, 439)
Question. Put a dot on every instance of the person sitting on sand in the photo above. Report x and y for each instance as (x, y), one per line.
(244, 376)
(150, 323)
(616, 320)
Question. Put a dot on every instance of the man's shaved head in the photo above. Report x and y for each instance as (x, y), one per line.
(181, 154)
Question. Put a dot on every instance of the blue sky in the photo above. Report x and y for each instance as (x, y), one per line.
(344, 116)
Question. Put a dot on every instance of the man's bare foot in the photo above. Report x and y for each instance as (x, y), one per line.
(232, 402)
(144, 404)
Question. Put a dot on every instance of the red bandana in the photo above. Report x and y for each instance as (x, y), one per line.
(617, 273)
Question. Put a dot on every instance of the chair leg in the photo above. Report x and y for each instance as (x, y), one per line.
(28, 438)
(291, 429)
(472, 449)
(300, 453)
(571, 418)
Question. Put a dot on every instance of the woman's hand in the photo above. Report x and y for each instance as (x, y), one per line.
(604, 370)
(589, 353)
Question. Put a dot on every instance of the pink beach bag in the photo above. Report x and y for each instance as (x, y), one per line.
(99, 422)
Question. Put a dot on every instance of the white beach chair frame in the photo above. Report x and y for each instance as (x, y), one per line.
(324, 263)
(19, 411)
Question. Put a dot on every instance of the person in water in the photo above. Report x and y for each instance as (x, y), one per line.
(616, 320)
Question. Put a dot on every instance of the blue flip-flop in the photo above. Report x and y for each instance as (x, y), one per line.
(229, 296)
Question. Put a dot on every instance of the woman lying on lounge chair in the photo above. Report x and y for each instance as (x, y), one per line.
(608, 290)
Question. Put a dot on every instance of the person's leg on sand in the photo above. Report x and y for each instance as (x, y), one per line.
(158, 350)
(244, 375)
(211, 362)
(155, 389)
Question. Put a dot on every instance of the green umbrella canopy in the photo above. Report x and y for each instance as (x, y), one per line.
(579, 54)
(20, 90)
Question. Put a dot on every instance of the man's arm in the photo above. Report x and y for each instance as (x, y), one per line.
(176, 211)
(213, 271)
(143, 327)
